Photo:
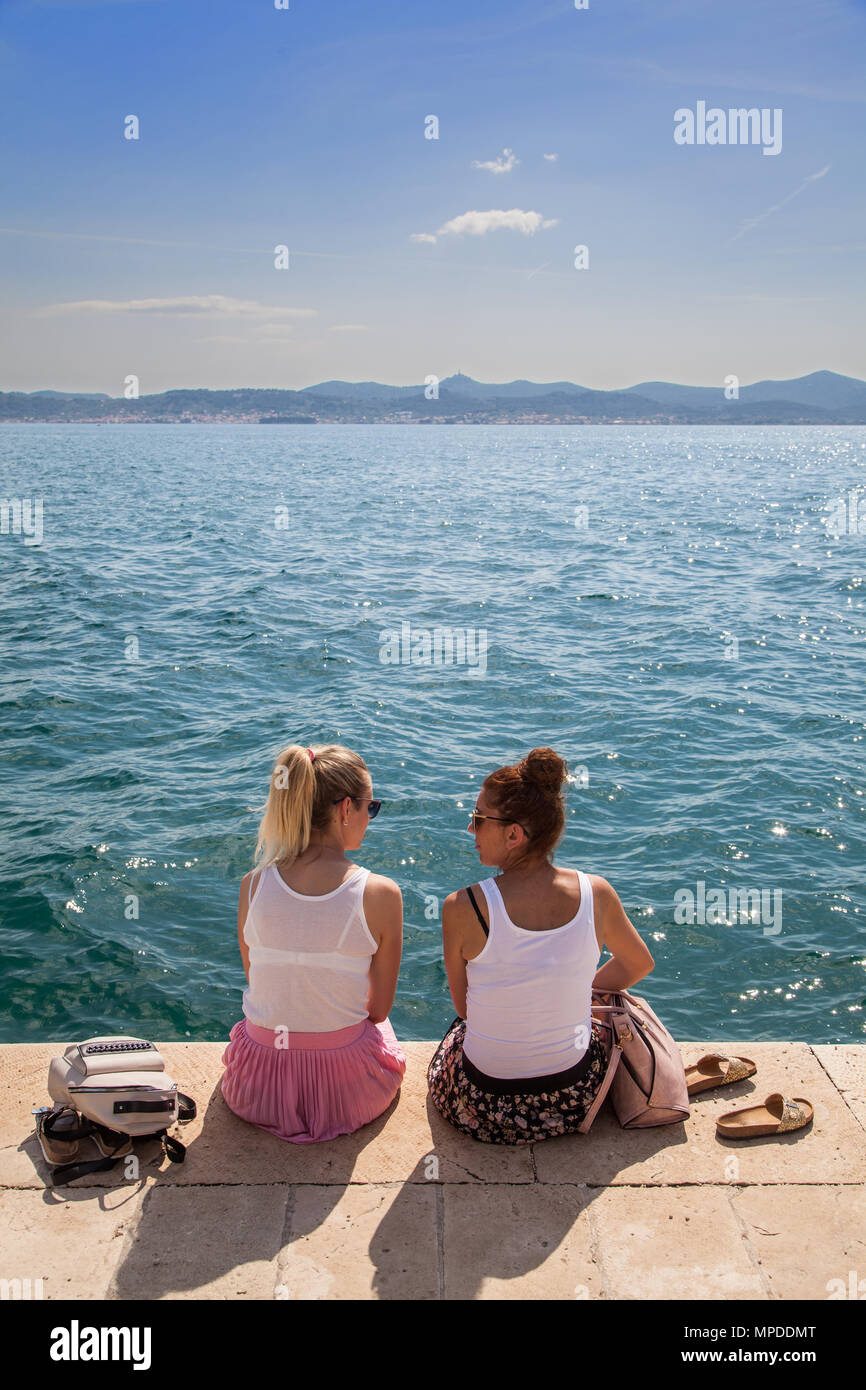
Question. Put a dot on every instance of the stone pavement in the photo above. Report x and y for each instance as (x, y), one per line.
(408, 1208)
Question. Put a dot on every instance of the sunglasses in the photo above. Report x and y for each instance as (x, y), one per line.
(476, 816)
(373, 807)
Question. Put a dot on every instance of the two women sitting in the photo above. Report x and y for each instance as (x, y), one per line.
(320, 938)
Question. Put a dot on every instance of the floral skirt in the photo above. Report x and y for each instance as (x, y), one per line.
(518, 1118)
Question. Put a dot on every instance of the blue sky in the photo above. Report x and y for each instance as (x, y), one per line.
(305, 127)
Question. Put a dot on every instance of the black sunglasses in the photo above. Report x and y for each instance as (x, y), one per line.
(475, 816)
(374, 807)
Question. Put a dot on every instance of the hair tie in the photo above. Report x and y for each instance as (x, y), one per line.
(312, 755)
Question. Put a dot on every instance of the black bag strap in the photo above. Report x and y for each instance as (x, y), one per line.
(173, 1149)
(142, 1107)
(68, 1172)
(186, 1108)
(478, 912)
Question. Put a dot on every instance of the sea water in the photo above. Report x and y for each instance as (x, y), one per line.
(678, 611)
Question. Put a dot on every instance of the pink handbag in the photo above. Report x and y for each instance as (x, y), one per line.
(645, 1073)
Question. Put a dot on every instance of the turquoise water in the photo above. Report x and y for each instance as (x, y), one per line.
(693, 646)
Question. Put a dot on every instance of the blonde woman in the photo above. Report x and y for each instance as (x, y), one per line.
(320, 939)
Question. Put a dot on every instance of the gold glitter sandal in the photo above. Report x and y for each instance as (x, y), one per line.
(777, 1115)
(707, 1073)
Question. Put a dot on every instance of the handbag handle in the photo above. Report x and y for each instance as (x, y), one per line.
(620, 1033)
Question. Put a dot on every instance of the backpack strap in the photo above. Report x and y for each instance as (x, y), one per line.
(68, 1172)
(173, 1149)
(186, 1108)
(484, 925)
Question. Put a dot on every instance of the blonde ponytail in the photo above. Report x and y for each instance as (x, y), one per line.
(305, 784)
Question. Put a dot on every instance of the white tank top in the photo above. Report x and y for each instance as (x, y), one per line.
(309, 956)
(529, 996)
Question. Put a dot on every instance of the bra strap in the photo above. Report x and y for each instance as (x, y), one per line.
(478, 912)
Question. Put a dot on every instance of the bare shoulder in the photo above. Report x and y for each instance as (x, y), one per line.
(382, 905)
(383, 908)
(381, 892)
(459, 919)
(381, 888)
(458, 899)
(605, 903)
(603, 893)
(458, 903)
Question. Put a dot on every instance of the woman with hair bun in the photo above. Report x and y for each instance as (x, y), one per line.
(524, 1058)
(320, 939)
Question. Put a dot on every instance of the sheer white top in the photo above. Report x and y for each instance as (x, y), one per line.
(309, 956)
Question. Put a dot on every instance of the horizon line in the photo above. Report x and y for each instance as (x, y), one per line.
(369, 381)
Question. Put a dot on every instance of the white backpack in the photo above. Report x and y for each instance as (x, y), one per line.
(113, 1090)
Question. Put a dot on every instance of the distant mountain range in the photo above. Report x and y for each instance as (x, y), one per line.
(822, 398)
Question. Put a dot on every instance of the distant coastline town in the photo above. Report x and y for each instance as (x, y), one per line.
(822, 398)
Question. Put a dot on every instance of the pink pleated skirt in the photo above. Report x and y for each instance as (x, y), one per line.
(307, 1087)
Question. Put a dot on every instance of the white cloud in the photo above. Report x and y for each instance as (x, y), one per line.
(349, 328)
(552, 157)
(480, 223)
(422, 236)
(194, 305)
(502, 164)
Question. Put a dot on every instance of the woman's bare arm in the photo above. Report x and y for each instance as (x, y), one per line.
(630, 958)
(453, 913)
(243, 908)
(383, 909)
